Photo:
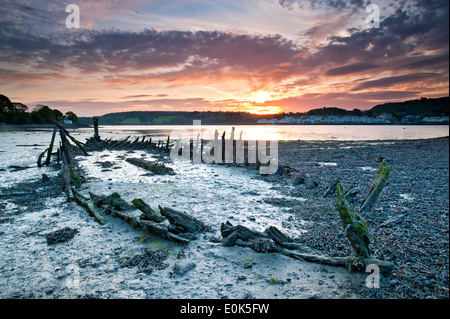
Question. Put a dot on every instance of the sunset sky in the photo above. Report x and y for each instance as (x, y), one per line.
(230, 55)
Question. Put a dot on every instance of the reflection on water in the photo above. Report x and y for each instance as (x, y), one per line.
(292, 132)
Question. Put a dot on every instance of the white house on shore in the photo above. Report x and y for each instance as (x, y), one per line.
(435, 119)
(315, 119)
(66, 121)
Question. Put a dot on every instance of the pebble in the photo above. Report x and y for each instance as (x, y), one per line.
(182, 268)
(48, 291)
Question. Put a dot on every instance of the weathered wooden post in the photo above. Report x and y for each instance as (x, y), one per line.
(223, 148)
(354, 224)
(377, 187)
(50, 148)
(67, 159)
(66, 133)
(96, 135)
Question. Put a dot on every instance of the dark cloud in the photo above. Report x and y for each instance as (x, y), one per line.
(392, 80)
(419, 63)
(408, 31)
(351, 68)
(122, 51)
(135, 96)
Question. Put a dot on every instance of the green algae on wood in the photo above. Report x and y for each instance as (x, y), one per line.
(354, 224)
(83, 203)
(148, 212)
(377, 187)
(74, 178)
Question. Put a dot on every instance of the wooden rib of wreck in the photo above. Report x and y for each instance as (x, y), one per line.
(95, 143)
(272, 240)
(141, 144)
(113, 204)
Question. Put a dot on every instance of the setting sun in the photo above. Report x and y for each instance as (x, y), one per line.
(264, 110)
(259, 97)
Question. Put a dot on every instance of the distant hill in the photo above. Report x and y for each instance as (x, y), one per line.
(174, 118)
(423, 107)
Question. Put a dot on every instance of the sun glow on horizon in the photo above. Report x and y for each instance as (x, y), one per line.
(259, 97)
(264, 109)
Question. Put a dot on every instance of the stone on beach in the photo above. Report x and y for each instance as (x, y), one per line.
(394, 220)
(181, 268)
(60, 235)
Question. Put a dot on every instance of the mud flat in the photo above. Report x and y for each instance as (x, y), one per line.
(115, 260)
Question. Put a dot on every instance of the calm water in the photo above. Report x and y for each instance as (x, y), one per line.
(289, 132)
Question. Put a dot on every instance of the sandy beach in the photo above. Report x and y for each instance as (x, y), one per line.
(409, 226)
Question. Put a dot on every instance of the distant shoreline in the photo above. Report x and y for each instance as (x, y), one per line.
(279, 124)
(21, 127)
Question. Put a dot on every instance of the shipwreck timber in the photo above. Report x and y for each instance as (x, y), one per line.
(179, 227)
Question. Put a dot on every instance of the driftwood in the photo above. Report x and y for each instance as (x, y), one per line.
(117, 144)
(154, 167)
(96, 144)
(354, 224)
(39, 160)
(83, 202)
(350, 263)
(232, 233)
(50, 148)
(377, 187)
(115, 206)
(181, 222)
(149, 226)
(114, 200)
(69, 177)
(278, 236)
(48, 151)
(331, 188)
(66, 133)
(148, 212)
(96, 134)
(273, 240)
(237, 234)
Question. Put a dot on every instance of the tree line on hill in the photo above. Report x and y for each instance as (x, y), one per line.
(421, 108)
(17, 113)
(173, 117)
